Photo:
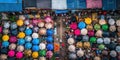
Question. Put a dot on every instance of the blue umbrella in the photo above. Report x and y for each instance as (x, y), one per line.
(81, 25)
(21, 41)
(5, 44)
(50, 47)
(50, 32)
(28, 45)
(35, 48)
(35, 41)
(49, 39)
(28, 31)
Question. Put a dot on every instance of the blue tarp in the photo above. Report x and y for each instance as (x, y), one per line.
(61, 11)
(109, 4)
(76, 4)
(10, 5)
(10, 1)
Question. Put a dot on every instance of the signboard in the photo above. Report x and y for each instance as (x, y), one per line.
(94, 3)
(76, 4)
(44, 4)
(109, 5)
(29, 3)
(59, 4)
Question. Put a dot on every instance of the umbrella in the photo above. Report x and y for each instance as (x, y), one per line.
(20, 22)
(77, 32)
(12, 46)
(28, 45)
(41, 24)
(111, 21)
(71, 48)
(5, 44)
(86, 44)
(50, 32)
(102, 21)
(48, 19)
(50, 47)
(99, 40)
(118, 22)
(27, 52)
(84, 31)
(42, 52)
(81, 25)
(105, 27)
(19, 55)
(73, 25)
(13, 39)
(35, 41)
(6, 25)
(49, 54)
(35, 48)
(49, 39)
(42, 46)
(11, 53)
(21, 41)
(1, 29)
(28, 31)
(5, 37)
(35, 35)
(93, 39)
(13, 25)
(97, 27)
(42, 58)
(112, 28)
(48, 25)
(42, 31)
(88, 20)
(70, 41)
(91, 32)
(20, 48)
(79, 45)
(3, 57)
(5, 31)
(106, 40)
(56, 47)
(21, 35)
(28, 38)
(35, 54)
(72, 56)
(113, 53)
(80, 53)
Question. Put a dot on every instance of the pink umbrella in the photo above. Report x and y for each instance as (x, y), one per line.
(11, 53)
(91, 32)
(0, 29)
(77, 32)
(19, 55)
(49, 54)
(48, 19)
(73, 26)
(13, 39)
(35, 21)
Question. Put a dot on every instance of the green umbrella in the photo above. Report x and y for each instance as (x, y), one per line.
(105, 27)
(42, 52)
(12, 18)
(93, 39)
(97, 27)
(101, 46)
